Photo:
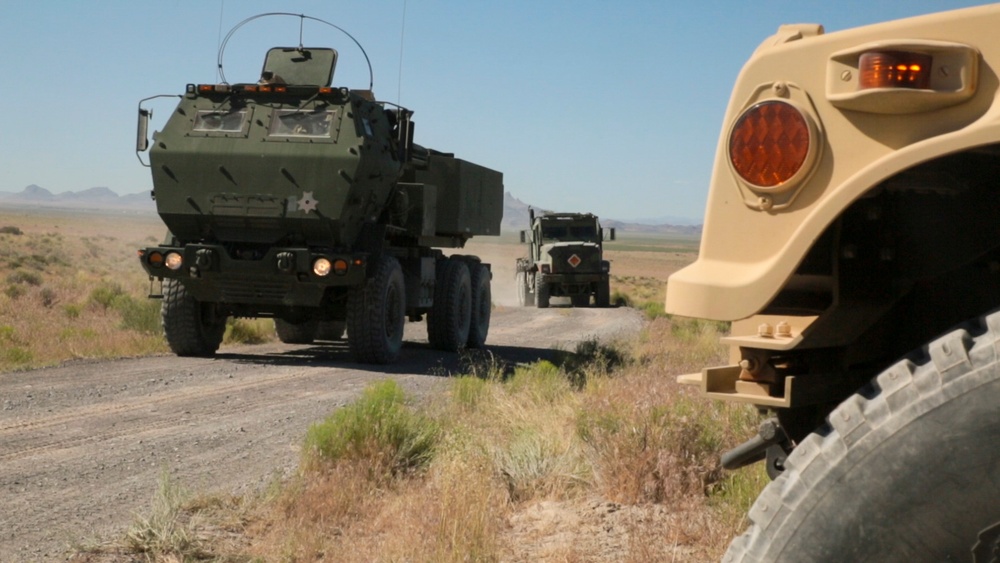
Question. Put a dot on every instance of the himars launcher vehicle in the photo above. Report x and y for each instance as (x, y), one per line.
(311, 204)
(565, 259)
(852, 234)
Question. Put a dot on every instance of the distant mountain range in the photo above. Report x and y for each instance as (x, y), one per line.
(515, 218)
(93, 199)
(515, 213)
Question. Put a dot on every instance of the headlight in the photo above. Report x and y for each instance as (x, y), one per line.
(173, 260)
(322, 267)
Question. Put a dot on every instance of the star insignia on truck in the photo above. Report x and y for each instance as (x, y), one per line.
(307, 203)
(574, 260)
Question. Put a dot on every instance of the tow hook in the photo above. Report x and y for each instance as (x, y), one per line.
(770, 443)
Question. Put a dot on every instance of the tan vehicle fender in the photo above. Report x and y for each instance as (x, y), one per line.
(753, 239)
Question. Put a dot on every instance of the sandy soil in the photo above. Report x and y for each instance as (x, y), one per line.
(83, 445)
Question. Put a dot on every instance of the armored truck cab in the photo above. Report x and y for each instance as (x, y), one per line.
(292, 199)
(565, 259)
(852, 235)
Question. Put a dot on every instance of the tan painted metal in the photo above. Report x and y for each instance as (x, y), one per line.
(753, 239)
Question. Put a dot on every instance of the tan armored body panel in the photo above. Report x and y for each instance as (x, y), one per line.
(852, 234)
(859, 131)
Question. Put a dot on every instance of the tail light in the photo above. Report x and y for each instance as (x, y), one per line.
(770, 145)
(902, 76)
(894, 69)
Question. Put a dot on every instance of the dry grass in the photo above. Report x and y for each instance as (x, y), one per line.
(593, 460)
(601, 458)
(72, 291)
(71, 287)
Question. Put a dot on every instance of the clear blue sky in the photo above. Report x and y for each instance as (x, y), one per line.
(611, 107)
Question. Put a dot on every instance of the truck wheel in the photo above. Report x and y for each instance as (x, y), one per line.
(295, 333)
(580, 300)
(376, 312)
(603, 297)
(524, 295)
(521, 281)
(449, 318)
(905, 470)
(482, 305)
(331, 330)
(541, 293)
(189, 325)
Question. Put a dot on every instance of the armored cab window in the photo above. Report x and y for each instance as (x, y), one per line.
(585, 232)
(208, 121)
(557, 233)
(297, 123)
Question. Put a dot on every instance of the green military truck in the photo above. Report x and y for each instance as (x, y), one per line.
(852, 235)
(293, 199)
(565, 259)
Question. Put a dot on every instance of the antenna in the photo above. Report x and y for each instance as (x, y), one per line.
(218, 69)
(399, 80)
(302, 17)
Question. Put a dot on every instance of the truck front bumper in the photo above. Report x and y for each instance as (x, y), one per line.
(572, 284)
(279, 276)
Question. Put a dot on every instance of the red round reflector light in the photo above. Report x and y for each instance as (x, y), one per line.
(769, 144)
(894, 69)
(155, 259)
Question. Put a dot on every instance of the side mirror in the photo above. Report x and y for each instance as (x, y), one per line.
(524, 237)
(611, 234)
(142, 134)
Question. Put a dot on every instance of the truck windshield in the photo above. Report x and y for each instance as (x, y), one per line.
(221, 121)
(554, 233)
(297, 123)
(565, 233)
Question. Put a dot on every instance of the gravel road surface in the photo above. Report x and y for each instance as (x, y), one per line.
(83, 445)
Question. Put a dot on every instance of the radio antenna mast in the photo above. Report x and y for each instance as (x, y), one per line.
(222, 7)
(399, 80)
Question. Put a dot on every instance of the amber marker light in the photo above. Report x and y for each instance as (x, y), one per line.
(769, 144)
(894, 69)
(155, 259)
(208, 88)
(340, 266)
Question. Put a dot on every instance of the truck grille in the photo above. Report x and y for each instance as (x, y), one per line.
(254, 291)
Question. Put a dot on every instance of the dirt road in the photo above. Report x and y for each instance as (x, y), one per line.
(82, 446)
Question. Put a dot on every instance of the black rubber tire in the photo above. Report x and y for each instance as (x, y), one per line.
(450, 317)
(580, 300)
(296, 333)
(603, 296)
(376, 312)
(184, 321)
(521, 281)
(907, 469)
(331, 330)
(482, 305)
(524, 294)
(541, 293)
